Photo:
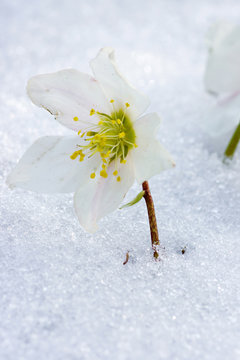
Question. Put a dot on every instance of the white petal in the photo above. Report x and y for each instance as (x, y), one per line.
(100, 196)
(46, 166)
(147, 125)
(222, 117)
(223, 71)
(149, 158)
(115, 86)
(217, 33)
(67, 94)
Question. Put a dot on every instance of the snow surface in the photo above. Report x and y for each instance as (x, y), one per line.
(64, 293)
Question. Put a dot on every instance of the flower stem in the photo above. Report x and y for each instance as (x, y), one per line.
(152, 218)
(233, 143)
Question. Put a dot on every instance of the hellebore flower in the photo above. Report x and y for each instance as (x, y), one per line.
(222, 78)
(113, 145)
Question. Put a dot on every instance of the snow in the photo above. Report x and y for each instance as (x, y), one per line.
(65, 294)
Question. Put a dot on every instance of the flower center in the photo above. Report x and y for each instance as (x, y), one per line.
(112, 138)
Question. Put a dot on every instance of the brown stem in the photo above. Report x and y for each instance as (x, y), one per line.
(152, 218)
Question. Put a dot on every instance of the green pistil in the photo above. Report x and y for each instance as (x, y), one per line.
(115, 135)
(104, 115)
(112, 138)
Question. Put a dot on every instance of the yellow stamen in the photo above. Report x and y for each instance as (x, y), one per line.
(121, 135)
(75, 154)
(111, 137)
(103, 173)
(102, 141)
(135, 145)
(97, 137)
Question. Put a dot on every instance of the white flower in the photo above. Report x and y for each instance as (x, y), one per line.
(223, 72)
(113, 145)
(222, 78)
